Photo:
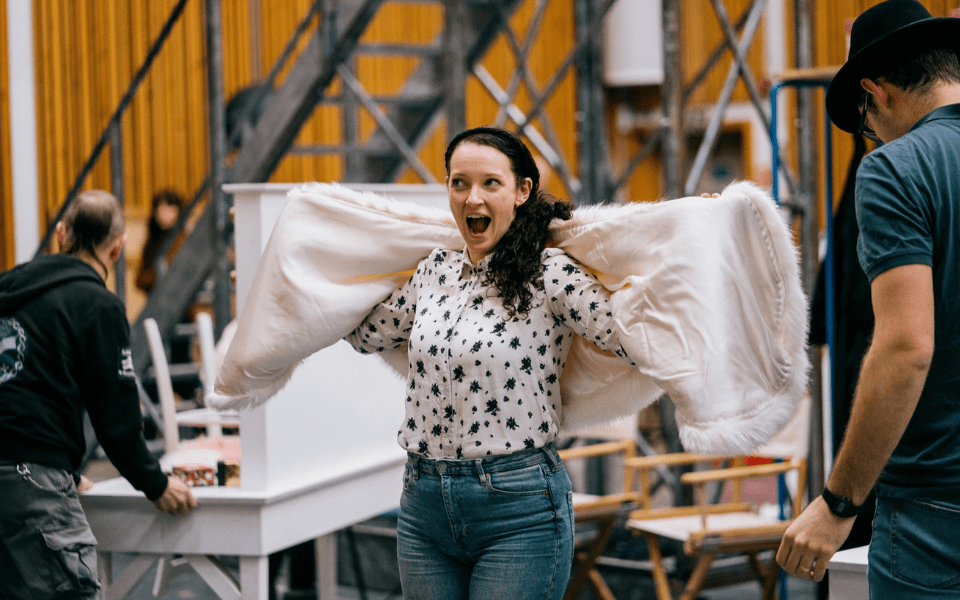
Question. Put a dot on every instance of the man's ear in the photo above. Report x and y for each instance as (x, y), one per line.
(117, 247)
(61, 230)
(878, 92)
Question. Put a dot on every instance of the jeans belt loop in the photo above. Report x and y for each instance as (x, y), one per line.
(480, 473)
(554, 461)
(415, 466)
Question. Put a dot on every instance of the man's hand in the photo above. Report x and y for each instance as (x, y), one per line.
(812, 540)
(177, 499)
(84, 485)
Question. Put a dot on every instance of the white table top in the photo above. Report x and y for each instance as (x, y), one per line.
(853, 560)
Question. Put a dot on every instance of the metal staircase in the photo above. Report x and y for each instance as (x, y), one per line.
(433, 93)
(430, 94)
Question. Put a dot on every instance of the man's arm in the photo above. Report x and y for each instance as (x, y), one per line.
(891, 379)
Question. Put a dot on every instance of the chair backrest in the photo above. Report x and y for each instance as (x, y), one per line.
(168, 406)
(626, 449)
(731, 472)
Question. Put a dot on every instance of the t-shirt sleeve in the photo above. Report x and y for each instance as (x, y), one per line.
(895, 223)
(111, 398)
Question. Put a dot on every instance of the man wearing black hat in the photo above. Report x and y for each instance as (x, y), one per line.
(901, 85)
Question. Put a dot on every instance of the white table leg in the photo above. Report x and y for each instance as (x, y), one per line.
(118, 588)
(254, 577)
(216, 576)
(326, 551)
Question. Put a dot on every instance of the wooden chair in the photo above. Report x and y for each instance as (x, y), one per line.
(711, 528)
(600, 512)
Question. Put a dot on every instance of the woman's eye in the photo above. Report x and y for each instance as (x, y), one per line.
(492, 183)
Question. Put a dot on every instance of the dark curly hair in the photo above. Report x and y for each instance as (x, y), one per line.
(516, 268)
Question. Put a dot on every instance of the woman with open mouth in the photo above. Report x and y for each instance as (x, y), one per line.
(486, 508)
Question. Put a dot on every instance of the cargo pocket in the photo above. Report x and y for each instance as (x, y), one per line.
(74, 568)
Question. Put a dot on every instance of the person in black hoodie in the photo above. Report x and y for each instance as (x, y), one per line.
(64, 348)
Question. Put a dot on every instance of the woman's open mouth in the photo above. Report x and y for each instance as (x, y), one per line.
(478, 224)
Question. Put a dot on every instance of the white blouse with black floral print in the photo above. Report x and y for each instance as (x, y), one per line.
(481, 383)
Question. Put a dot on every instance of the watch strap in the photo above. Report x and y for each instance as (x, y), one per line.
(839, 505)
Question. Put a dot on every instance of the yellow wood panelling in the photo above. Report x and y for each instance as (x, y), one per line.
(7, 257)
(87, 52)
(701, 32)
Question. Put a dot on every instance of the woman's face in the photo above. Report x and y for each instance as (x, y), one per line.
(167, 215)
(484, 195)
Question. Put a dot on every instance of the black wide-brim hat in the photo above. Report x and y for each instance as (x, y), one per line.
(881, 36)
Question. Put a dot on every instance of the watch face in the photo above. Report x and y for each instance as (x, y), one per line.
(840, 506)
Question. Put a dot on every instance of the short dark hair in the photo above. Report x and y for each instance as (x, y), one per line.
(921, 70)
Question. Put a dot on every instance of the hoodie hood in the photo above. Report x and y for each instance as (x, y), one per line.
(25, 282)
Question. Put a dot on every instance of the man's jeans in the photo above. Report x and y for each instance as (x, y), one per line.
(486, 529)
(915, 550)
(46, 547)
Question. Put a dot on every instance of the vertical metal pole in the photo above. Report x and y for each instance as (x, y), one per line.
(221, 224)
(354, 167)
(809, 225)
(673, 142)
(671, 156)
(256, 46)
(116, 186)
(455, 66)
(594, 168)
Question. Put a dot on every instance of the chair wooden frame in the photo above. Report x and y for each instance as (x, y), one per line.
(604, 511)
(707, 529)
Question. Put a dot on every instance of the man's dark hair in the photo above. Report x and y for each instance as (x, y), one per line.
(923, 69)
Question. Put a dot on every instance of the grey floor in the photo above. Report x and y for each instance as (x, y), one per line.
(377, 558)
(187, 585)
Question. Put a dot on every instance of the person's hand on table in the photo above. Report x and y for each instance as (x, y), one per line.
(177, 499)
(84, 484)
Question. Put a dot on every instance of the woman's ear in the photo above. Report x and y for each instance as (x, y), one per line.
(523, 191)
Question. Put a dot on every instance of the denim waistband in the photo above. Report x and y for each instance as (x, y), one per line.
(492, 464)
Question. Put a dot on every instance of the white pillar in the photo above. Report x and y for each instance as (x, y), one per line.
(23, 129)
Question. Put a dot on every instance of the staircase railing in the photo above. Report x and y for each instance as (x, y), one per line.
(111, 135)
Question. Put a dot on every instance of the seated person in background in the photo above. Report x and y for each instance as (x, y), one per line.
(164, 211)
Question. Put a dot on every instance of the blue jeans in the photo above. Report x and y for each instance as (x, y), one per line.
(46, 547)
(915, 550)
(486, 529)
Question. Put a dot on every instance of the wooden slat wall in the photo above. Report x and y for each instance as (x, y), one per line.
(7, 257)
(701, 32)
(87, 52)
